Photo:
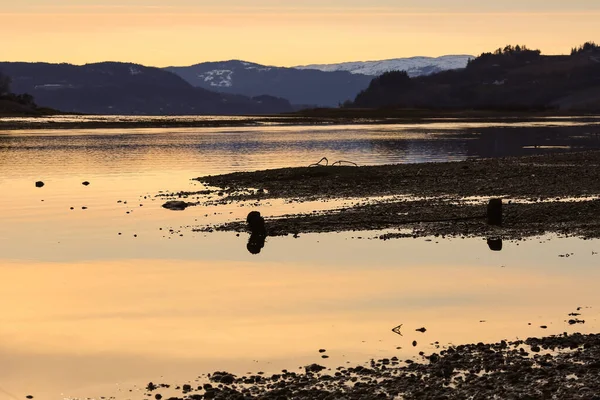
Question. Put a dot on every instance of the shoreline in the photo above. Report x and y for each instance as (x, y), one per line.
(553, 193)
(302, 118)
(564, 366)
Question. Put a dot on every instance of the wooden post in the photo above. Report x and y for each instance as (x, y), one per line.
(494, 212)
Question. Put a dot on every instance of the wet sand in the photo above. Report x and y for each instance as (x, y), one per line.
(554, 193)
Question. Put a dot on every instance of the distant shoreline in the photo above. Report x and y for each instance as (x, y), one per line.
(302, 118)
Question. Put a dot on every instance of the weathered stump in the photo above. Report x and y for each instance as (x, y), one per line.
(494, 212)
(256, 223)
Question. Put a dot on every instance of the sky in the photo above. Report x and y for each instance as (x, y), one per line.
(285, 33)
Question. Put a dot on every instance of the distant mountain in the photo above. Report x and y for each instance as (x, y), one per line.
(308, 87)
(414, 66)
(513, 78)
(121, 88)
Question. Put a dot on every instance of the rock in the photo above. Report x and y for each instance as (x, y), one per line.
(422, 330)
(176, 205)
(158, 397)
(414, 343)
(322, 351)
(187, 388)
(29, 397)
(314, 368)
(256, 223)
(39, 184)
(151, 386)
(86, 183)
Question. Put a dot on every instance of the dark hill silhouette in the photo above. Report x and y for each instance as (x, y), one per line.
(12, 104)
(513, 78)
(122, 88)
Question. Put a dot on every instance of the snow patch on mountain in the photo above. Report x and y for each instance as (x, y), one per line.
(414, 66)
(218, 77)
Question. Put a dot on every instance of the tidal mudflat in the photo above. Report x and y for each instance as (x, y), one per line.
(106, 291)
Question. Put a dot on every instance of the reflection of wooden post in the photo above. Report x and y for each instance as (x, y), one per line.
(494, 212)
(495, 244)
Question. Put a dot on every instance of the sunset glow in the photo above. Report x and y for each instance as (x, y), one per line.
(270, 32)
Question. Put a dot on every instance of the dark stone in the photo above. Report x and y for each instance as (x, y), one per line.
(86, 183)
(176, 205)
(39, 184)
(151, 386)
(414, 343)
(422, 330)
(314, 368)
(158, 396)
(256, 223)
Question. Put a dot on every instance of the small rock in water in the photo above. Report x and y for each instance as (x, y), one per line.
(176, 205)
(315, 368)
(39, 184)
(86, 183)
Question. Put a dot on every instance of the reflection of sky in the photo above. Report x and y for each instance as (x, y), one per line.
(109, 308)
(198, 304)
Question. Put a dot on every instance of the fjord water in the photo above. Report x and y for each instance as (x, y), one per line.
(99, 301)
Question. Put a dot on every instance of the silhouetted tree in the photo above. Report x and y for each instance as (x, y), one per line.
(509, 55)
(384, 89)
(587, 47)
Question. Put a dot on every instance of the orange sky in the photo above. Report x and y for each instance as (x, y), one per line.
(285, 33)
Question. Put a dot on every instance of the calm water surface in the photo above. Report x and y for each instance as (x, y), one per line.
(88, 312)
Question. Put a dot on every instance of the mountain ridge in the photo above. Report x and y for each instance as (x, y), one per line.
(414, 66)
(310, 87)
(127, 88)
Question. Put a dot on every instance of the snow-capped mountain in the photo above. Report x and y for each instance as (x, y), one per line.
(415, 66)
(301, 87)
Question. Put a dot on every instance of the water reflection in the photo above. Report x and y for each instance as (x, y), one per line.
(256, 243)
(495, 244)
